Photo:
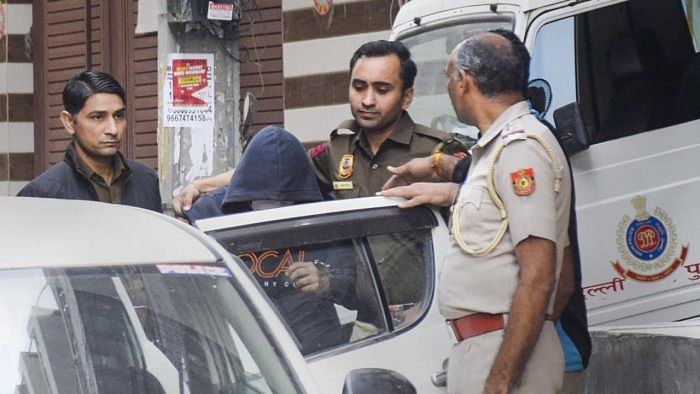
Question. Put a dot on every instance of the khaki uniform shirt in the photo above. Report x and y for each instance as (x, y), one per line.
(346, 167)
(524, 179)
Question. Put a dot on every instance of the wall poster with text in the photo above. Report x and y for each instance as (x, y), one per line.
(189, 91)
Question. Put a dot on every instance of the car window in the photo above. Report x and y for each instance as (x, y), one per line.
(377, 267)
(176, 328)
(632, 66)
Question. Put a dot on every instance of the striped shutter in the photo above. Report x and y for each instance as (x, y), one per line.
(143, 95)
(60, 51)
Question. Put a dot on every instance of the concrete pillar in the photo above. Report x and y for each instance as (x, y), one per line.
(175, 143)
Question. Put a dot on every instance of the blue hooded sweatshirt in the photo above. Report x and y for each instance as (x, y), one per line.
(275, 167)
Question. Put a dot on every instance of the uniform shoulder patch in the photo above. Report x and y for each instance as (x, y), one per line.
(318, 149)
(523, 181)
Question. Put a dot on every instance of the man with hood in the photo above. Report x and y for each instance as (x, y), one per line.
(275, 171)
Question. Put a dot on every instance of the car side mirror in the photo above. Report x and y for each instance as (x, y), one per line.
(571, 129)
(377, 380)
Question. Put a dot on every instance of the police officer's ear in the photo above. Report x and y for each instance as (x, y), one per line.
(407, 98)
(67, 121)
(466, 82)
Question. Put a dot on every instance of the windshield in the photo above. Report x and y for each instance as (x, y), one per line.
(172, 328)
(430, 50)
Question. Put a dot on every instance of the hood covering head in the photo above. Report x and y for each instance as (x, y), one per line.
(274, 167)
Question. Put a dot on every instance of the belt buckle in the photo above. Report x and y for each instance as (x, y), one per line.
(451, 332)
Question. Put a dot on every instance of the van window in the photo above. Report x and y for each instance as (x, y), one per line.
(632, 66)
(376, 267)
(554, 40)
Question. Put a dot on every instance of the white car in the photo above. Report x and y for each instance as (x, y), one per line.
(101, 298)
(396, 255)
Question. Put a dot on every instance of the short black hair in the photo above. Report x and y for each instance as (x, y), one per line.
(85, 84)
(496, 69)
(385, 48)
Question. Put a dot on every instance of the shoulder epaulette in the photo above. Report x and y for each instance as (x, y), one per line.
(514, 135)
(347, 127)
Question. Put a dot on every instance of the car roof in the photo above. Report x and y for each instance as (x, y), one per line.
(41, 232)
(295, 211)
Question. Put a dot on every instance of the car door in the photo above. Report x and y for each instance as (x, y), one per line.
(634, 68)
(378, 309)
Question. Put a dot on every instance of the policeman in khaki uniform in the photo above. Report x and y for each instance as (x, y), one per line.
(509, 228)
(509, 225)
(354, 164)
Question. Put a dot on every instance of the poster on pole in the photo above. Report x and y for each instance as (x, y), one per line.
(189, 90)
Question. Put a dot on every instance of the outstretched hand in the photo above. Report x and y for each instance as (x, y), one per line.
(419, 169)
(183, 201)
(440, 194)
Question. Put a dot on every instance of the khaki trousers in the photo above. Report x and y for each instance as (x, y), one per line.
(471, 361)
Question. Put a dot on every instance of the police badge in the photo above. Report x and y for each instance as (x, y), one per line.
(345, 166)
(647, 244)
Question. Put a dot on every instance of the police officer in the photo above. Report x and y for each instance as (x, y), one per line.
(509, 226)
(354, 162)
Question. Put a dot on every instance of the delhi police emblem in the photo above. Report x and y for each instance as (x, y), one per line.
(345, 166)
(647, 244)
(523, 181)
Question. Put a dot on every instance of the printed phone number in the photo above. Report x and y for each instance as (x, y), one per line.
(186, 118)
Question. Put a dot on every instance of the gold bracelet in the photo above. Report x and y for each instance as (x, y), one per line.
(435, 161)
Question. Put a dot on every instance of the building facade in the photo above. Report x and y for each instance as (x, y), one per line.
(292, 58)
(16, 96)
